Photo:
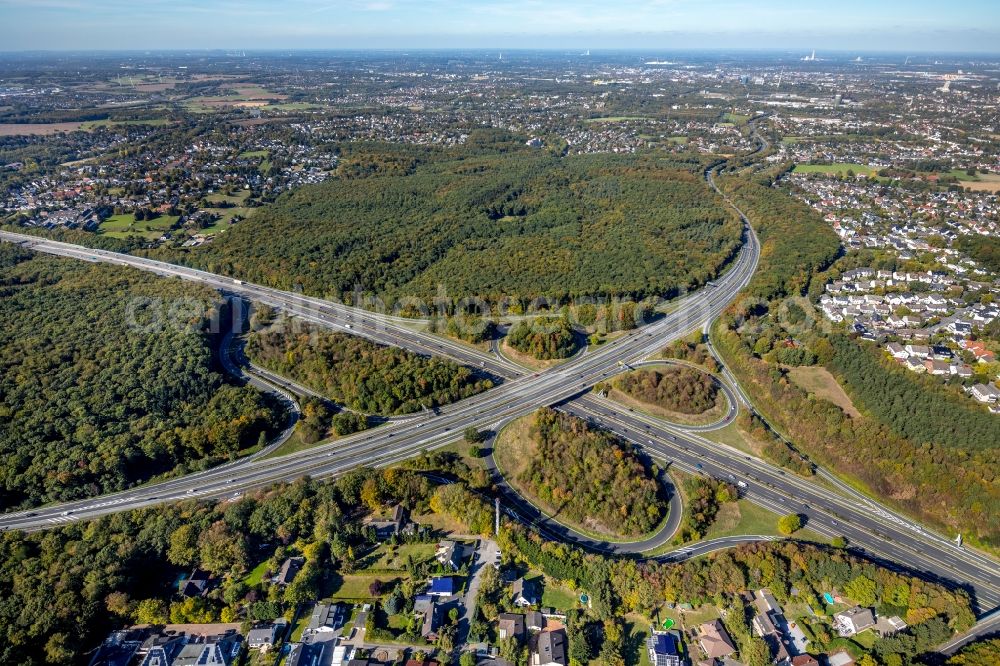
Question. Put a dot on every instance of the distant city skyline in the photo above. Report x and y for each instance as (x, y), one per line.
(891, 25)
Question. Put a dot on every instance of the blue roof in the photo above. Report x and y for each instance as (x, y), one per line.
(442, 586)
(666, 644)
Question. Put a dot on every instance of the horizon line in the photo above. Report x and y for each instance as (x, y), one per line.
(523, 49)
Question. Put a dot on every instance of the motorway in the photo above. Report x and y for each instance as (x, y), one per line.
(518, 395)
(522, 394)
(881, 534)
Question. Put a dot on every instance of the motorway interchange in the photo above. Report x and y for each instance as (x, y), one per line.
(830, 507)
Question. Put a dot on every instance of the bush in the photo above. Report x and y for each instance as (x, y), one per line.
(544, 338)
(790, 524)
(474, 436)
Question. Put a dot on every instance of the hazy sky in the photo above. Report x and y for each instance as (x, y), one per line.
(928, 25)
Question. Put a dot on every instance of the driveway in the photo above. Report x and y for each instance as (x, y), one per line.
(486, 554)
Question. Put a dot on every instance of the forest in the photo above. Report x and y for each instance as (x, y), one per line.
(589, 477)
(914, 445)
(476, 221)
(924, 414)
(365, 376)
(544, 338)
(95, 395)
(981, 653)
(678, 388)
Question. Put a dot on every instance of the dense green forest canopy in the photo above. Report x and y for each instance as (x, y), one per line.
(361, 374)
(589, 477)
(794, 241)
(924, 414)
(545, 338)
(407, 221)
(678, 388)
(90, 403)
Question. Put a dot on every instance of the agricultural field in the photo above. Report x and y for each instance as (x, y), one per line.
(125, 225)
(95, 124)
(983, 182)
(736, 118)
(37, 129)
(818, 381)
(836, 169)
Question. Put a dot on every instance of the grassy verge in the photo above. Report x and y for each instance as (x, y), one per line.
(355, 587)
(732, 436)
(295, 444)
(527, 360)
